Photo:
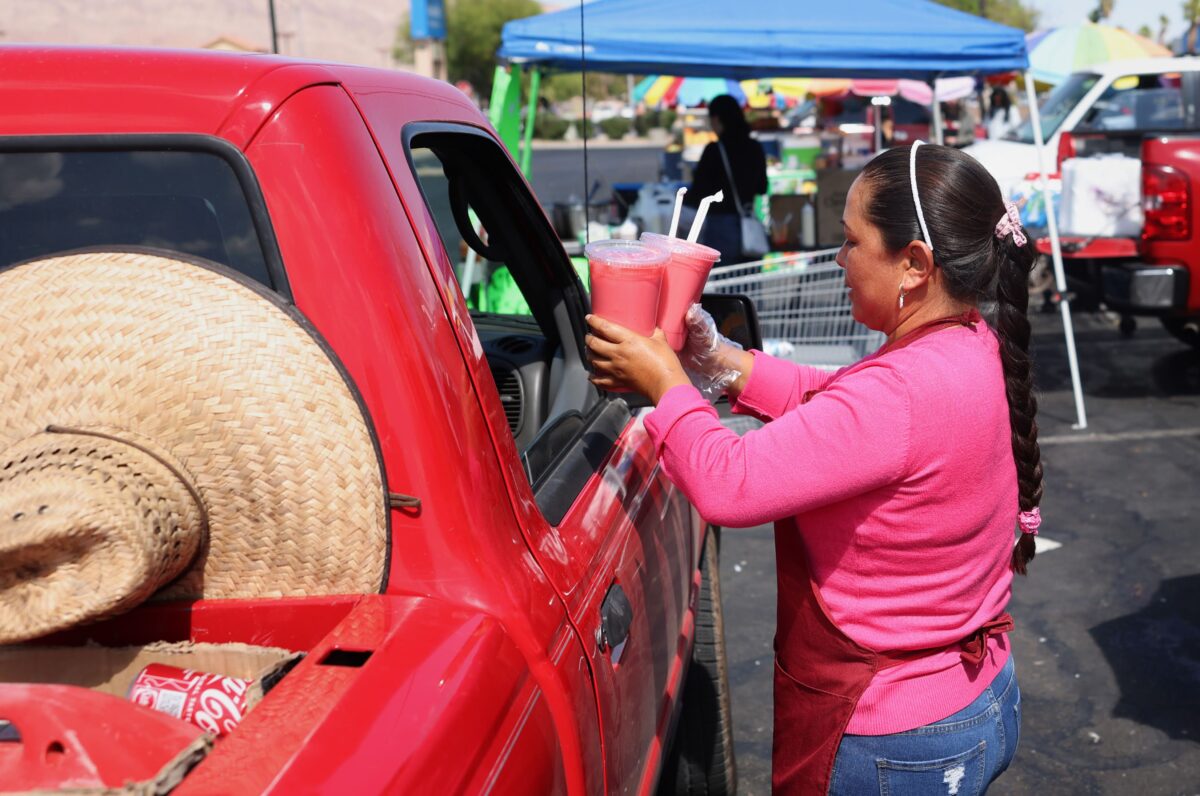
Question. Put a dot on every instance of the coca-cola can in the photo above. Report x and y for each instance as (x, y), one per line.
(213, 702)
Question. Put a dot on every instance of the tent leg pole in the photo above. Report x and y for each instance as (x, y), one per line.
(877, 118)
(937, 114)
(1060, 279)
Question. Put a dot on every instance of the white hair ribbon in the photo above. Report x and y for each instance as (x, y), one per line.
(912, 178)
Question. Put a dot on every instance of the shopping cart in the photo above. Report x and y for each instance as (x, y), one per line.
(803, 307)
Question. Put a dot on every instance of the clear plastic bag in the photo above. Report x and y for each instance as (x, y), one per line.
(704, 355)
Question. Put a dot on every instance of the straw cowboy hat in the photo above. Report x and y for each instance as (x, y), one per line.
(168, 429)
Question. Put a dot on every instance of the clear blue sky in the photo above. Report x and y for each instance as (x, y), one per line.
(1129, 14)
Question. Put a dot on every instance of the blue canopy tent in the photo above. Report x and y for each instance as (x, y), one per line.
(783, 38)
(767, 38)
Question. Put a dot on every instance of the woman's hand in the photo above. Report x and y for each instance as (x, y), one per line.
(622, 358)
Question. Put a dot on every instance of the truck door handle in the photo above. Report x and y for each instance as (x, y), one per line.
(616, 616)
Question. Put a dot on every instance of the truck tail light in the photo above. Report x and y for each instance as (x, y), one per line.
(1066, 149)
(1166, 202)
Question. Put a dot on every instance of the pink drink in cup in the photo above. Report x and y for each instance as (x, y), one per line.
(626, 276)
(683, 282)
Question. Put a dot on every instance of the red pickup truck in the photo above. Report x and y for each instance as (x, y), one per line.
(1157, 274)
(551, 613)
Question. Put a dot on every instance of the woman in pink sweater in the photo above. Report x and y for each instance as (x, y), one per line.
(895, 485)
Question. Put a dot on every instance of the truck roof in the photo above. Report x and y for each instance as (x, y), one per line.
(1147, 66)
(92, 90)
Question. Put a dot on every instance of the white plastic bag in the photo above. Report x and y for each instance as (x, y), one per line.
(1102, 197)
(754, 238)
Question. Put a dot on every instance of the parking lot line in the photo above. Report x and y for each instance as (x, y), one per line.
(1121, 436)
(1044, 545)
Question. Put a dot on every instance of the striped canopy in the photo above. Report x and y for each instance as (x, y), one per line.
(760, 93)
(686, 91)
(662, 90)
(948, 88)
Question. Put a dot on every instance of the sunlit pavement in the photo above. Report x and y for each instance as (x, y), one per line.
(1108, 624)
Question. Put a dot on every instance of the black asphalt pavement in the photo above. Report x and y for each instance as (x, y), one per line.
(1107, 641)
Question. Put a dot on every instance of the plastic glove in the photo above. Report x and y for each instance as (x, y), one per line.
(703, 356)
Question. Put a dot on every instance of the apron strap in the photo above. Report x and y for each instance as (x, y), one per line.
(973, 646)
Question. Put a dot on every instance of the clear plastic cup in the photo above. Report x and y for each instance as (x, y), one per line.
(625, 277)
(683, 282)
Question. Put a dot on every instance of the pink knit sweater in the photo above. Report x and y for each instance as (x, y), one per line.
(899, 474)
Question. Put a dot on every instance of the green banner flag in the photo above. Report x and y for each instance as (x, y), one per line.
(505, 111)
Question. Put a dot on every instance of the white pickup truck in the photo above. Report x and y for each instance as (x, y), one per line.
(1150, 95)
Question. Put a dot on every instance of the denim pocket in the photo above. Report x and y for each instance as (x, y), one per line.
(961, 775)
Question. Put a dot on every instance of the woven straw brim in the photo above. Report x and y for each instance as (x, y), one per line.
(87, 516)
(190, 362)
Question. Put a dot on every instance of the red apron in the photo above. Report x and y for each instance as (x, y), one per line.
(820, 673)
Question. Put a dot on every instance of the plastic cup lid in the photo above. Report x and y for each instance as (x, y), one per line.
(680, 246)
(626, 254)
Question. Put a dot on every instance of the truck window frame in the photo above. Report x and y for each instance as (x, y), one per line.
(176, 142)
(1187, 97)
(1063, 92)
(556, 476)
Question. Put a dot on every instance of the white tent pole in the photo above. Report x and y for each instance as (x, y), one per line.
(1060, 279)
(937, 113)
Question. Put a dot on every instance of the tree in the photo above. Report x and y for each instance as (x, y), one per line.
(1163, 22)
(559, 86)
(1102, 11)
(1145, 32)
(1008, 12)
(472, 37)
(1191, 11)
(402, 46)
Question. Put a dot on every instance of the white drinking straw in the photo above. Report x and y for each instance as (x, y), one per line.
(675, 215)
(694, 232)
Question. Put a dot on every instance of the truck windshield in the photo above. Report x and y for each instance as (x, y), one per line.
(189, 202)
(1056, 107)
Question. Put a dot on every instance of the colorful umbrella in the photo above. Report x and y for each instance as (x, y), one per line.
(685, 91)
(948, 89)
(1057, 52)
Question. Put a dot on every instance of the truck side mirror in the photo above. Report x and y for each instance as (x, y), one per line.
(736, 318)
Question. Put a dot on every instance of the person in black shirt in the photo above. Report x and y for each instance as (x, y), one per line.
(722, 230)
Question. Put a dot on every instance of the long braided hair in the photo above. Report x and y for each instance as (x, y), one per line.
(962, 205)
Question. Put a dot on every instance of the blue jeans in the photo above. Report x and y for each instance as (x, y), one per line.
(959, 755)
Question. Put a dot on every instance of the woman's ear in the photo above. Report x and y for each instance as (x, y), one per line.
(918, 265)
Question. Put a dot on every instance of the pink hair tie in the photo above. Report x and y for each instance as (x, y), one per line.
(1010, 223)
(1030, 521)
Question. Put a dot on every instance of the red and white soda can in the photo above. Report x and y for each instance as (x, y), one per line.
(212, 702)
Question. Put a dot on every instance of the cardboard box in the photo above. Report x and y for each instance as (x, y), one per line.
(111, 670)
(832, 187)
(160, 766)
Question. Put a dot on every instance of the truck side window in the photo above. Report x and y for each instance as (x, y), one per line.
(185, 201)
(1138, 102)
(486, 282)
(527, 305)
